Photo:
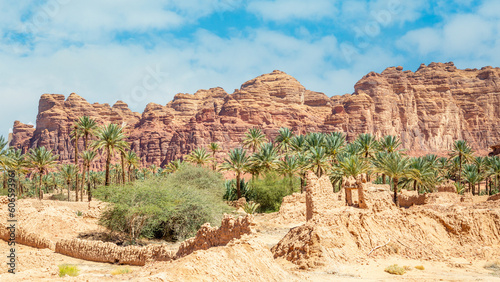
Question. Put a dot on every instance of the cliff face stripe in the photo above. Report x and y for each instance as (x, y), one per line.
(428, 109)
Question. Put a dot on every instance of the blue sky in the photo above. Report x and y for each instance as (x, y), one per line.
(108, 50)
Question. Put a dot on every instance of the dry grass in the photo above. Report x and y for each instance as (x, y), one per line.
(121, 270)
(68, 269)
(396, 269)
(420, 267)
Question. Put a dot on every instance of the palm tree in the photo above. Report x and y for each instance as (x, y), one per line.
(389, 143)
(393, 165)
(88, 157)
(86, 126)
(67, 173)
(75, 135)
(123, 149)
(173, 166)
(494, 169)
(284, 139)
(4, 158)
(132, 161)
(318, 159)
(266, 158)
(315, 139)
(367, 144)
(41, 160)
(472, 176)
(353, 165)
(109, 137)
(17, 162)
(237, 162)
(253, 139)
(481, 164)
(422, 174)
(288, 167)
(298, 143)
(214, 148)
(335, 142)
(462, 152)
(198, 156)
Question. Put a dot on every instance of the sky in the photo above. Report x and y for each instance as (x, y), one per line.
(148, 51)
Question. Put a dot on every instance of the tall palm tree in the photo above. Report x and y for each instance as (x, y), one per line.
(214, 148)
(494, 169)
(18, 163)
(41, 161)
(394, 165)
(75, 135)
(87, 127)
(288, 167)
(368, 145)
(335, 143)
(132, 161)
(422, 174)
(318, 159)
(284, 139)
(462, 152)
(253, 139)
(68, 172)
(354, 165)
(237, 163)
(266, 158)
(389, 143)
(109, 137)
(88, 157)
(481, 164)
(198, 156)
(472, 176)
(315, 139)
(298, 143)
(4, 158)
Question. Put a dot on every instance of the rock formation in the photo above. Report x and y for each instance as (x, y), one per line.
(428, 109)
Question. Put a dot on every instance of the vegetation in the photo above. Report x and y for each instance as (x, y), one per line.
(68, 269)
(121, 270)
(395, 269)
(171, 207)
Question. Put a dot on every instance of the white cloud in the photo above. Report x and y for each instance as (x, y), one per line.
(289, 10)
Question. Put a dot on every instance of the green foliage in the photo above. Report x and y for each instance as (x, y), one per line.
(79, 213)
(231, 193)
(395, 269)
(251, 207)
(269, 191)
(173, 207)
(68, 269)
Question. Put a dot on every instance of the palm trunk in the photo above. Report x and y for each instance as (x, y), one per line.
(88, 183)
(415, 186)
(122, 155)
(460, 170)
(40, 187)
(396, 181)
(129, 175)
(76, 164)
(383, 178)
(69, 186)
(238, 191)
(108, 161)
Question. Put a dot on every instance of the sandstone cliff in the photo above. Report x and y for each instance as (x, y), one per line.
(429, 109)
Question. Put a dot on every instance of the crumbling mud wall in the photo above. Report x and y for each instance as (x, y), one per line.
(26, 238)
(292, 209)
(320, 196)
(208, 236)
(431, 231)
(112, 253)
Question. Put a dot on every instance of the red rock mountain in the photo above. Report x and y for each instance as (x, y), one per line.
(428, 109)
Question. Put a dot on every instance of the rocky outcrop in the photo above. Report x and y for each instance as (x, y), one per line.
(428, 109)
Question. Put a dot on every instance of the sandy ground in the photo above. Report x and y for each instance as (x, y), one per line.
(42, 264)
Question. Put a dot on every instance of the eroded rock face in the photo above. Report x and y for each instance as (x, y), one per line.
(428, 109)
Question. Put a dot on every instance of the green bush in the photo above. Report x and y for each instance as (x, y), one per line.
(172, 208)
(68, 269)
(231, 193)
(395, 269)
(59, 197)
(269, 191)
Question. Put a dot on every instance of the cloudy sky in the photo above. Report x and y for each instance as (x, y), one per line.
(147, 51)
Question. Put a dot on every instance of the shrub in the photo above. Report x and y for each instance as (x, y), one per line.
(172, 208)
(68, 269)
(59, 197)
(420, 267)
(493, 265)
(231, 190)
(395, 269)
(269, 191)
(251, 207)
(79, 213)
(121, 270)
